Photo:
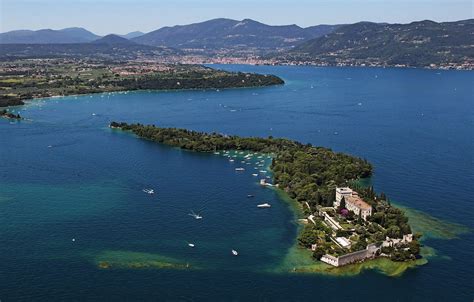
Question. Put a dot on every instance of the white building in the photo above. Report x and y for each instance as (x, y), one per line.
(342, 192)
(344, 242)
(397, 241)
(353, 202)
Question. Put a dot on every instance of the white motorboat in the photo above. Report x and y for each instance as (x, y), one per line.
(196, 216)
(235, 253)
(264, 205)
(149, 191)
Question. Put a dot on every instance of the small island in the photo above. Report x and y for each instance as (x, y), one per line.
(25, 79)
(345, 222)
(6, 114)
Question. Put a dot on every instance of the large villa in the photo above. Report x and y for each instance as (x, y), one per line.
(346, 231)
(353, 202)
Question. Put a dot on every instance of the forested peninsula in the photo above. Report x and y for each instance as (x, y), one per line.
(312, 176)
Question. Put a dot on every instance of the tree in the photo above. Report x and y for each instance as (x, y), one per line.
(308, 236)
(319, 252)
(359, 218)
(414, 247)
(342, 204)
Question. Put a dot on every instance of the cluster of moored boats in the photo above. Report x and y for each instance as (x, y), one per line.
(246, 160)
(232, 158)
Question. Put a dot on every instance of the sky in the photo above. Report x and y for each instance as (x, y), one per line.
(123, 16)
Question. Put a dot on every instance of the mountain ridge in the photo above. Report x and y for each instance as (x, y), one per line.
(113, 39)
(419, 43)
(228, 33)
(48, 36)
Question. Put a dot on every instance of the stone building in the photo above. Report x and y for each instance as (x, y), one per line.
(342, 192)
(397, 241)
(369, 252)
(353, 202)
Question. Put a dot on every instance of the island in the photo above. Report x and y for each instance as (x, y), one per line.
(345, 222)
(22, 79)
(6, 114)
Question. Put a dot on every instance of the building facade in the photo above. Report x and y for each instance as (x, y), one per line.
(342, 192)
(368, 253)
(353, 202)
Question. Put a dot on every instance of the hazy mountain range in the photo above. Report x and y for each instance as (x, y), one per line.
(48, 36)
(415, 44)
(212, 34)
(51, 36)
(227, 33)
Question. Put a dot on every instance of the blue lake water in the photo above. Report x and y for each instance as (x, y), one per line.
(71, 189)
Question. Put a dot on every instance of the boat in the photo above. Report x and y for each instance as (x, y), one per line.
(235, 253)
(254, 174)
(231, 160)
(250, 196)
(264, 205)
(263, 171)
(191, 244)
(196, 216)
(149, 191)
(239, 169)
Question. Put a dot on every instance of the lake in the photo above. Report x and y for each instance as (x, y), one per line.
(76, 225)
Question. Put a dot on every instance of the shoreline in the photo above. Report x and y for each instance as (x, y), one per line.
(304, 261)
(344, 66)
(126, 91)
(299, 259)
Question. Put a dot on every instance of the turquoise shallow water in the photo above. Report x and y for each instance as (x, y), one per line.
(416, 126)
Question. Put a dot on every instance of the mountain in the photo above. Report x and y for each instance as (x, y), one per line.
(113, 40)
(48, 36)
(132, 35)
(228, 34)
(80, 34)
(416, 44)
(320, 30)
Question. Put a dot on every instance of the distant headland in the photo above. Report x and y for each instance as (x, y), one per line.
(27, 79)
